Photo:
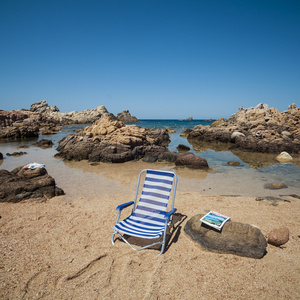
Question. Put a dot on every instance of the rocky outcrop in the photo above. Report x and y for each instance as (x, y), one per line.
(74, 117)
(126, 117)
(109, 140)
(20, 124)
(234, 238)
(258, 129)
(21, 184)
(41, 117)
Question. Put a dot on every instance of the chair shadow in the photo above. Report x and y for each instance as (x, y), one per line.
(173, 229)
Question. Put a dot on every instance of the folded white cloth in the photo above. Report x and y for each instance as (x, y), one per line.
(34, 166)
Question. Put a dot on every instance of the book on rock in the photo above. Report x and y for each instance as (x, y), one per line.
(214, 220)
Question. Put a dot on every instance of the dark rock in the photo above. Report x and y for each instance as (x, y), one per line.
(182, 147)
(191, 161)
(16, 154)
(21, 184)
(278, 236)
(234, 238)
(1, 156)
(43, 143)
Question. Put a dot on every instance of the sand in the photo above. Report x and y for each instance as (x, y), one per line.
(61, 248)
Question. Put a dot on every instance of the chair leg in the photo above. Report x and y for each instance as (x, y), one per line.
(112, 238)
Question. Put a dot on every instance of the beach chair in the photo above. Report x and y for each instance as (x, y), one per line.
(149, 219)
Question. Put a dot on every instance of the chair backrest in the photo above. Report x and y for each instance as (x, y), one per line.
(155, 194)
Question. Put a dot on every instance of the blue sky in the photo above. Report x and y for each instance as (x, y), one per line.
(158, 59)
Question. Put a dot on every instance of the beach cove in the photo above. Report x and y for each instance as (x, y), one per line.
(61, 248)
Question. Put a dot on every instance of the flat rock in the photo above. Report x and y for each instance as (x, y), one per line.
(271, 200)
(275, 186)
(234, 238)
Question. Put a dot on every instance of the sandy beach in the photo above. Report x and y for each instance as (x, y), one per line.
(61, 248)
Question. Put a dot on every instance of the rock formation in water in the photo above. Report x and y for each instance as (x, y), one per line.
(109, 140)
(18, 124)
(258, 129)
(126, 117)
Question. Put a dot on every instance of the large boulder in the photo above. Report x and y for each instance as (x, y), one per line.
(21, 184)
(234, 238)
(257, 129)
(109, 140)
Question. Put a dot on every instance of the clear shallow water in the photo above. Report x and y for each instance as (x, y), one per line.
(261, 168)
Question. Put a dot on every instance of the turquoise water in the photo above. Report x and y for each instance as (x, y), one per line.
(261, 167)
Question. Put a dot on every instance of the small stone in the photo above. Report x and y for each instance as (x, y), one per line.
(182, 147)
(278, 236)
(275, 186)
(233, 163)
(284, 157)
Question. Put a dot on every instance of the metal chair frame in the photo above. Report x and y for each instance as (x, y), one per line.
(167, 217)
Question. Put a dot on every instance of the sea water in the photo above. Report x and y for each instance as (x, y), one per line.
(261, 167)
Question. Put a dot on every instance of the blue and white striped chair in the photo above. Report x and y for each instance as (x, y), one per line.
(149, 218)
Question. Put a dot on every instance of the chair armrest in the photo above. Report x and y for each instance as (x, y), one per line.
(168, 214)
(124, 205)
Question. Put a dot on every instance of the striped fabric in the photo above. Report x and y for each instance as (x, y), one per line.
(147, 221)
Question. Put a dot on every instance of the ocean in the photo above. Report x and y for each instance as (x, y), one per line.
(254, 168)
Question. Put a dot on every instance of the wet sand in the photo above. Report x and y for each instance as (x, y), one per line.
(61, 248)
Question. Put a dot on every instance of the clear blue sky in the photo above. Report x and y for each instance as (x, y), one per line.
(156, 58)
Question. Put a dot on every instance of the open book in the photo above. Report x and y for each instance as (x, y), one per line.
(214, 219)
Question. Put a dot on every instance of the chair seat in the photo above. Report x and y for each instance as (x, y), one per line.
(141, 227)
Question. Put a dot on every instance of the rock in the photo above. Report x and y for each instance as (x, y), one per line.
(170, 130)
(182, 147)
(1, 156)
(191, 161)
(258, 129)
(109, 140)
(190, 119)
(234, 238)
(21, 184)
(233, 163)
(126, 117)
(278, 236)
(284, 157)
(275, 186)
(43, 143)
(16, 154)
(235, 135)
(74, 117)
(271, 200)
(43, 107)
